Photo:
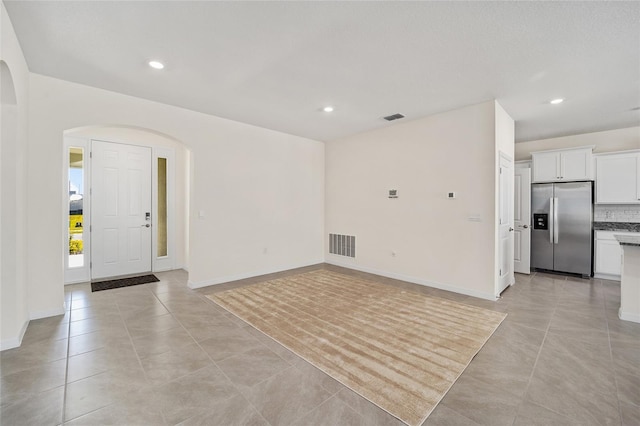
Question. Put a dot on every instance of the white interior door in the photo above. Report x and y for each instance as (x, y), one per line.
(120, 209)
(505, 225)
(522, 221)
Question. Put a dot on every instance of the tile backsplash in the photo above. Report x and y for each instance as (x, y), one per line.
(616, 213)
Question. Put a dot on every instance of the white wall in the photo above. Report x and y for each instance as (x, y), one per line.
(257, 189)
(145, 138)
(14, 88)
(434, 242)
(606, 141)
(505, 131)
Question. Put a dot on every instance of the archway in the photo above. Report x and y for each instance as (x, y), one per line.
(170, 196)
(12, 219)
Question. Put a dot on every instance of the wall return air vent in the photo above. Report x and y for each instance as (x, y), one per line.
(393, 117)
(343, 245)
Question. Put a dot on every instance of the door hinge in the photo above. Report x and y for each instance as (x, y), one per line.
(90, 154)
(90, 265)
(90, 228)
(500, 170)
(500, 272)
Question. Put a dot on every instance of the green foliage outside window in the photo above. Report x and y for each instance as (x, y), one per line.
(75, 246)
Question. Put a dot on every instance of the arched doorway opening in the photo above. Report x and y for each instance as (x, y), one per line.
(13, 226)
(158, 191)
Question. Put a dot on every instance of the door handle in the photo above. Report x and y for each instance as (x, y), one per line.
(555, 220)
(510, 229)
(148, 225)
(525, 226)
(551, 222)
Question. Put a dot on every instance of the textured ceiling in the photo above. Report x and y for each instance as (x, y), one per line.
(275, 64)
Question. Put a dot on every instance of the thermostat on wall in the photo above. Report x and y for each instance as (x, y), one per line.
(393, 193)
(451, 195)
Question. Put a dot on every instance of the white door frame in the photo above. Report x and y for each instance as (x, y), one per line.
(77, 275)
(522, 220)
(505, 276)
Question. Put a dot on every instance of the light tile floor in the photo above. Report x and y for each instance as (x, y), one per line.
(160, 354)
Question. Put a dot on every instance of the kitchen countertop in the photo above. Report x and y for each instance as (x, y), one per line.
(616, 226)
(628, 240)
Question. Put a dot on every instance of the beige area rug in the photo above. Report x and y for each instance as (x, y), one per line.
(400, 350)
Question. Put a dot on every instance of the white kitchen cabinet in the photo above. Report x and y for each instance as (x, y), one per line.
(608, 254)
(618, 178)
(562, 165)
(608, 257)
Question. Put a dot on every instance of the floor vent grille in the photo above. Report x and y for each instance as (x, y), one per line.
(343, 245)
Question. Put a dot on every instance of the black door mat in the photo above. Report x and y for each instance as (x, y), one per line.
(123, 282)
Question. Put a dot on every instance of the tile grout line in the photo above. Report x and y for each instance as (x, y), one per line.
(255, 384)
(240, 393)
(83, 353)
(613, 367)
(535, 364)
(333, 396)
(544, 340)
(558, 307)
(117, 306)
(136, 351)
(203, 368)
(260, 382)
(66, 367)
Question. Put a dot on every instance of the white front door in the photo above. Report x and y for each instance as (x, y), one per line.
(505, 225)
(522, 221)
(120, 209)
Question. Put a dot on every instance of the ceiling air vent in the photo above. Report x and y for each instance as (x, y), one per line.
(393, 117)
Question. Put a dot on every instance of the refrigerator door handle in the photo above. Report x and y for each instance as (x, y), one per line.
(551, 222)
(556, 226)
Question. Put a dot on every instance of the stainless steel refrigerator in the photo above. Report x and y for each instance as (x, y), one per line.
(562, 233)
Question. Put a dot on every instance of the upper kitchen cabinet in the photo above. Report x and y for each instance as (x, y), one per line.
(618, 178)
(562, 165)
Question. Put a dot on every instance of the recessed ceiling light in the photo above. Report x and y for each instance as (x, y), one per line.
(156, 64)
(328, 109)
(557, 101)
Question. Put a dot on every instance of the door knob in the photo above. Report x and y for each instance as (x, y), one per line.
(148, 225)
(510, 229)
(525, 226)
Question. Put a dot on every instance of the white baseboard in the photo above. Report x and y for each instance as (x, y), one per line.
(414, 280)
(607, 277)
(47, 313)
(14, 342)
(628, 316)
(199, 284)
(168, 268)
(76, 282)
